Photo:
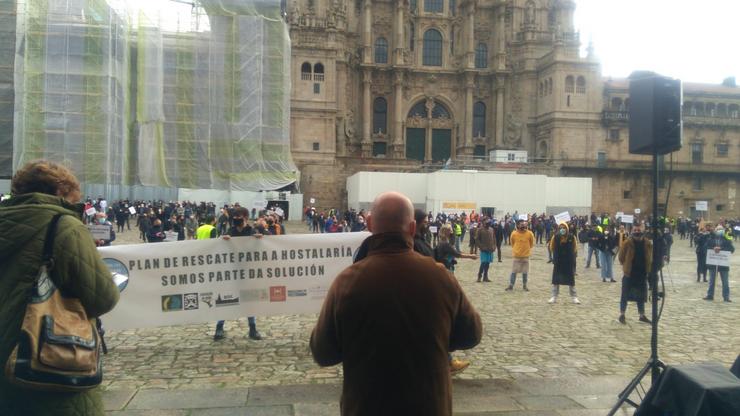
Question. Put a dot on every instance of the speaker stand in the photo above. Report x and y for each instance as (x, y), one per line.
(654, 366)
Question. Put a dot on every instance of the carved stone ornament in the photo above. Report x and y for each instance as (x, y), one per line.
(513, 131)
(349, 126)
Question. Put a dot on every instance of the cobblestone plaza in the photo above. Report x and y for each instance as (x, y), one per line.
(525, 338)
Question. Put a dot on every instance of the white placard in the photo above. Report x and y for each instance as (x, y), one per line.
(312, 200)
(637, 210)
(737, 228)
(433, 229)
(198, 281)
(132, 210)
(523, 217)
(90, 212)
(170, 236)
(100, 232)
(259, 204)
(279, 211)
(718, 259)
(562, 217)
(628, 219)
(701, 206)
(619, 214)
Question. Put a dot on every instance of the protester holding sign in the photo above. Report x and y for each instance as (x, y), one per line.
(102, 222)
(42, 190)
(719, 243)
(240, 229)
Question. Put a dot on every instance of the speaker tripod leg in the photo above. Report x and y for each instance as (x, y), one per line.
(625, 394)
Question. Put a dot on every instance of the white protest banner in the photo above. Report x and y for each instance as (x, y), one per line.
(279, 211)
(628, 219)
(718, 259)
(433, 229)
(619, 214)
(312, 200)
(206, 280)
(170, 236)
(90, 212)
(637, 210)
(737, 228)
(701, 206)
(259, 204)
(100, 232)
(562, 217)
(132, 210)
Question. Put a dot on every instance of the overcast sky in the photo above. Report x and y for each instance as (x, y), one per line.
(696, 41)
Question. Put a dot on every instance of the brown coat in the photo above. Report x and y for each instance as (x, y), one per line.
(627, 256)
(391, 319)
(486, 239)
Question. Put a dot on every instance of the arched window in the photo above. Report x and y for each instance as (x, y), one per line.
(721, 110)
(380, 115)
(581, 85)
(440, 111)
(318, 72)
(616, 104)
(433, 6)
(569, 84)
(432, 55)
(481, 55)
(420, 110)
(381, 51)
(306, 71)
(479, 119)
(733, 110)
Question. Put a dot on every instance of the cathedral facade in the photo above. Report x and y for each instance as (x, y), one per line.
(415, 85)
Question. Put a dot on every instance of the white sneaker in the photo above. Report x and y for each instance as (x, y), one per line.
(553, 299)
(576, 301)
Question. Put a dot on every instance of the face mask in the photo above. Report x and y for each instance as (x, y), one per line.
(101, 220)
(637, 235)
(238, 221)
(561, 231)
(720, 233)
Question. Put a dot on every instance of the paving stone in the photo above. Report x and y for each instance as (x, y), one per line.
(245, 411)
(510, 413)
(157, 412)
(595, 402)
(309, 393)
(188, 399)
(595, 412)
(316, 409)
(117, 399)
(482, 403)
(547, 402)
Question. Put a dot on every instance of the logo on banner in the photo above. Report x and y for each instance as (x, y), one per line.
(116, 267)
(254, 295)
(190, 301)
(277, 294)
(297, 293)
(318, 292)
(171, 303)
(207, 298)
(227, 299)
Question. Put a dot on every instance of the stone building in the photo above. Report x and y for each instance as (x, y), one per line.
(412, 85)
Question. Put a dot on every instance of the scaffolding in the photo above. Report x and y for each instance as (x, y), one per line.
(155, 93)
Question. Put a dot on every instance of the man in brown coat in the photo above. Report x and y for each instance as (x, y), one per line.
(391, 319)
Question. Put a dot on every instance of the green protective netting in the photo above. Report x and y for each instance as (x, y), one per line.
(156, 92)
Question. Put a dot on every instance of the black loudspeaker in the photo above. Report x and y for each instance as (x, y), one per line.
(655, 115)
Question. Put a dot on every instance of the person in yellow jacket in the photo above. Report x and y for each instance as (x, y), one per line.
(207, 230)
(522, 241)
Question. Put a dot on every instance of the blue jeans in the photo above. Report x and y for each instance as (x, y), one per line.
(592, 250)
(723, 274)
(250, 321)
(606, 265)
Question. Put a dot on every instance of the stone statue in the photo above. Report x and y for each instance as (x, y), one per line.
(513, 134)
(529, 13)
(295, 13)
(349, 126)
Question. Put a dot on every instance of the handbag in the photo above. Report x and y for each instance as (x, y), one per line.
(58, 348)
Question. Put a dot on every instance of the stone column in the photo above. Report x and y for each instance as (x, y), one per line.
(367, 113)
(467, 141)
(400, 40)
(470, 32)
(398, 116)
(428, 138)
(367, 32)
(499, 139)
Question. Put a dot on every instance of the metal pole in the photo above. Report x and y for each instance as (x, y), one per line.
(653, 277)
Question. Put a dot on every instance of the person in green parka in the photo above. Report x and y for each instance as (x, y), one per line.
(42, 189)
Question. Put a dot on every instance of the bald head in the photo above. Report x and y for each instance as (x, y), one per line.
(392, 212)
